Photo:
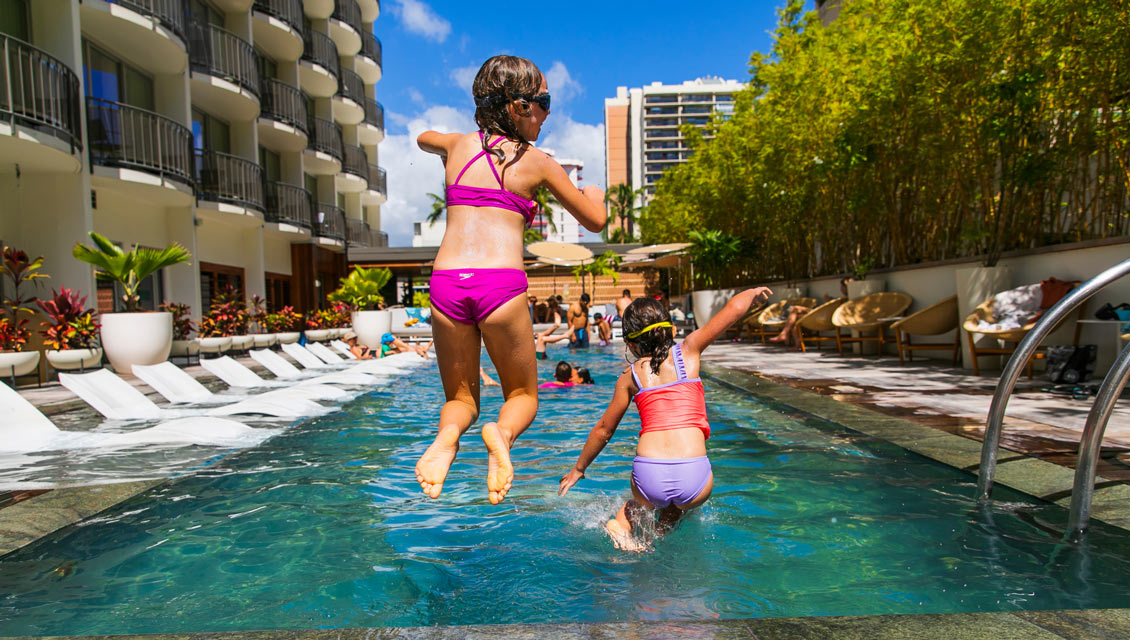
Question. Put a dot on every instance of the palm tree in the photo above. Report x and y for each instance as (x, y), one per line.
(545, 200)
(439, 205)
(622, 199)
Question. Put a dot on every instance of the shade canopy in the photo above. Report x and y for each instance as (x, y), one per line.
(658, 262)
(661, 248)
(559, 251)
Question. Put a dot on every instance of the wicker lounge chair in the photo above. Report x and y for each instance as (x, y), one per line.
(816, 321)
(984, 313)
(873, 312)
(934, 320)
(772, 318)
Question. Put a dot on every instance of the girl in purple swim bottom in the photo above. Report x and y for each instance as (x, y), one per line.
(671, 473)
(478, 286)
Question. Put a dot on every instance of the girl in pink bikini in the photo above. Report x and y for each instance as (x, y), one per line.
(671, 473)
(478, 286)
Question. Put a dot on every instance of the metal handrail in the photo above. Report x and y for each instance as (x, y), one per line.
(284, 103)
(289, 204)
(325, 136)
(289, 11)
(350, 85)
(358, 233)
(371, 47)
(1016, 364)
(348, 12)
(375, 114)
(378, 180)
(231, 179)
(356, 162)
(123, 136)
(221, 53)
(319, 48)
(39, 91)
(329, 222)
(170, 13)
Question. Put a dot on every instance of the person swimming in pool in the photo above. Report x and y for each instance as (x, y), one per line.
(671, 473)
(562, 377)
(478, 285)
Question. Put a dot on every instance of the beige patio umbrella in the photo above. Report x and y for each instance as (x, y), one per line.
(660, 248)
(559, 254)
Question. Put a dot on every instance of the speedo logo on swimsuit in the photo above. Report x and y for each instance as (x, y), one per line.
(464, 276)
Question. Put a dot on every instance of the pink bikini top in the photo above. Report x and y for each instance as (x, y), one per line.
(458, 194)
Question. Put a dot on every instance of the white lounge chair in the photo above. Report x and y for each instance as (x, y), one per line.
(324, 353)
(25, 429)
(304, 356)
(235, 374)
(343, 349)
(284, 370)
(179, 387)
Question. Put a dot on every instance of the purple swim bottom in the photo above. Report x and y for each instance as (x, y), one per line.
(667, 481)
(470, 295)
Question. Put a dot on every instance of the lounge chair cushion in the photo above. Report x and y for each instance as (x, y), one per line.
(1013, 309)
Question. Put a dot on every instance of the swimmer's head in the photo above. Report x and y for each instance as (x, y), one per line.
(644, 338)
(503, 90)
(563, 372)
(597, 316)
(583, 375)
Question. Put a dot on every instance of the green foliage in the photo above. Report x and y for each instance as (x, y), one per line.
(439, 205)
(622, 210)
(361, 289)
(421, 299)
(913, 130)
(713, 253)
(70, 324)
(283, 320)
(183, 326)
(545, 201)
(19, 269)
(531, 235)
(128, 268)
(606, 264)
(227, 315)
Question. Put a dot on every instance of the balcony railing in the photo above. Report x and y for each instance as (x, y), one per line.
(356, 162)
(325, 136)
(123, 136)
(371, 46)
(358, 233)
(380, 239)
(170, 13)
(320, 49)
(351, 86)
(39, 91)
(375, 114)
(329, 222)
(221, 53)
(289, 11)
(289, 204)
(222, 177)
(348, 12)
(378, 180)
(284, 103)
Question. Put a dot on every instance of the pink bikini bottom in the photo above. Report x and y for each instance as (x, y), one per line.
(470, 295)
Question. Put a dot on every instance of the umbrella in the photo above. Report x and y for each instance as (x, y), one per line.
(661, 248)
(559, 250)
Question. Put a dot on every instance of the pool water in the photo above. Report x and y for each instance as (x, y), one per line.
(325, 526)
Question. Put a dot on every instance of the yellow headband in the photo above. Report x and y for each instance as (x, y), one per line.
(636, 334)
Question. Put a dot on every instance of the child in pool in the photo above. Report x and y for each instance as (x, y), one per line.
(671, 473)
(562, 376)
(478, 286)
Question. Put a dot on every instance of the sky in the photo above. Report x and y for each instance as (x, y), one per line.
(432, 49)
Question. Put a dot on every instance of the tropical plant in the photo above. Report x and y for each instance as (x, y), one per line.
(128, 268)
(256, 311)
(361, 289)
(70, 324)
(713, 252)
(421, 299)
(545, 201)
(621, 199)
(19, 270)
(283, 320)
(531, 235)
(329, 318)
(439, 205)
(606, 264)
(227, 315)
(183, 326)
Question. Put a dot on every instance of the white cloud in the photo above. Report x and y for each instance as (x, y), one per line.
(464, 77)
(419, 18)
(562, 86)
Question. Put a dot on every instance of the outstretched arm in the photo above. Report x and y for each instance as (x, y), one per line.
(737, 307)
(586, 206)
(601, 433)
(437, 143)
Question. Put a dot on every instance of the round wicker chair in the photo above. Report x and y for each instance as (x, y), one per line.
(934, 320)
(873, 312)
(772, 318)
(817, 320)
(984, 312)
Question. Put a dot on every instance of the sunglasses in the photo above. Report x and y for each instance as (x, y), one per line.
(542, 99)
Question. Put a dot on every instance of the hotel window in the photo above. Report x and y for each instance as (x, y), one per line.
(278, 290)
(209, 132)
(108, 78)
(214, 278)
(269, 161)
(14, 19)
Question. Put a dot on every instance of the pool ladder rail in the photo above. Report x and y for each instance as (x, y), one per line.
(1083, 488)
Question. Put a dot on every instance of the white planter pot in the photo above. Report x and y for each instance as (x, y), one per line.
(18, 363)
(263, 340)
(288, 337)
(71, 359)
(317, 335)
(708, 302)
(370, 326)
(185, 348)
(136, 338)
(242, 343)
(215, 344)
(860, 288)
(974, 286)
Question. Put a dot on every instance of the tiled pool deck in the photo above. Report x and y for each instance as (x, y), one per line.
(925, 407)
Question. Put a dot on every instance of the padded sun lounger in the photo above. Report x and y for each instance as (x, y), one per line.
(323, 352)
(175, 385)
(284, 370)
(234, 374)
(304, 356)
(343, 349)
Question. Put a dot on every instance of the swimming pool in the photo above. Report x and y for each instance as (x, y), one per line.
(324, 526)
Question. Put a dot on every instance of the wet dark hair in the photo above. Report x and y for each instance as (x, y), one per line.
(503, 80)
(584, 375)
(597, 316)
(655, 343)
(563, 372)
(585, 298)
(626, 292)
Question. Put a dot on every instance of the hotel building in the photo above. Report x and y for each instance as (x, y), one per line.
(245, 130)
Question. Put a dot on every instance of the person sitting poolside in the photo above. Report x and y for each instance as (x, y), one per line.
(359, 351)
(390, 345)
(562, 376)
(603, 329)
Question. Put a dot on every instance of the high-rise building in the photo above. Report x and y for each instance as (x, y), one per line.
(247, 131)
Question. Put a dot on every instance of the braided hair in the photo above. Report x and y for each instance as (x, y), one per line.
(656, 343)
(500, 81)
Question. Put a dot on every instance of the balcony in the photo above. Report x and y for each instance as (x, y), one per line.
(318, 9)
(370, 10)
(319, 68)
(277, 27)
(151, 34)
(283, 122)
(345, 26)
(377, 191)
(368, 61)
(349, 101)
(41, 95)
(288, 206)
(329, 222)
(371, 130)
(354, 176)
(358, 234)
(229, 180)
(324, 150)
(225, 76)
(139, 143)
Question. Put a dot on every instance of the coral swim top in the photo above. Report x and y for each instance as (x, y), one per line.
(676, 405)
(458, 194)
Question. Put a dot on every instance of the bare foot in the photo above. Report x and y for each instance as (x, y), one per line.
(432, 468)
(500, 473)
(621, 538)
(777, 339)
